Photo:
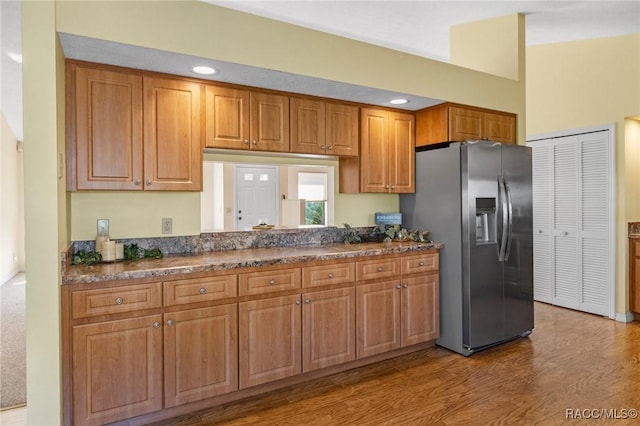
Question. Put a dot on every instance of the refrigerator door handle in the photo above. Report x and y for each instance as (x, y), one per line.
(510, 219)
(504, 208)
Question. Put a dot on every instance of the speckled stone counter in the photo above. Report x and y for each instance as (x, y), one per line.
(634, 229)
(232, 259)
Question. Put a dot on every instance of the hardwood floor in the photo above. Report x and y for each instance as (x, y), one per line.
(572, 361)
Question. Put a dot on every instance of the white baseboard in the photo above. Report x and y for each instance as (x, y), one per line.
(626, 317)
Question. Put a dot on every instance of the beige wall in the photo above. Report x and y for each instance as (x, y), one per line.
(194, 28)
(591, 83)
(11, 204)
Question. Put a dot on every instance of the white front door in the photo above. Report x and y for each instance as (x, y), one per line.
(256, 196)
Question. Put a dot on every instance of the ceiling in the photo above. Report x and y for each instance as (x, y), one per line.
(417, 27)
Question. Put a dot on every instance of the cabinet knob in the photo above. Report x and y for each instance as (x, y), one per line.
(330, 147)
(387, 186)
(405, 285)
(119, 300)
(297, 302)
(398, 287)
(272, 282)
(255, 142)
(330, 274)
(137, 182)
(203, 290)
(380, 269)
(170, 323)
(421, 263)
(148, 182)
(156, 324)
(323, 147)
(246, 141)
(393, 187)
(307, 301)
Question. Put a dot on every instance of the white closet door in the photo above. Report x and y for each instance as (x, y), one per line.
(573, 221)
(542, 203)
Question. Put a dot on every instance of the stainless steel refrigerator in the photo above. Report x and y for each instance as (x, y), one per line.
(475, 196)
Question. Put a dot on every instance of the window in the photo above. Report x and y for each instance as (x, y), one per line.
(312, 187)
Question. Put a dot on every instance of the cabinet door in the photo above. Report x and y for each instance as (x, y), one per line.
(464, 124)
(499, 127)
(200, 353)
(401, 153)
(106, 150)
(308, 126)
(269, 122)
(634, 278)
(227, 118)
(378, 318)
(420, 314)
(172, 142)
(342, 130)
(374, 161)
(270, 340)
(329, 328)
(117, 370)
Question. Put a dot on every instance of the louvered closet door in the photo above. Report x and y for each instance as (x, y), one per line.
(565, 217)
(542, 202)
(572, 219)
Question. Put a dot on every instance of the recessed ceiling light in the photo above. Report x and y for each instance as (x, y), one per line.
(398, 101)
(15, 57)
(204, 70)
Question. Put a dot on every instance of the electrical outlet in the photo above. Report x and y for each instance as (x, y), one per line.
(167, 225)
(103, 226)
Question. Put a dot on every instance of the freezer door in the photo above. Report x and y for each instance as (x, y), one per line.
(483, 291)
(518, 266)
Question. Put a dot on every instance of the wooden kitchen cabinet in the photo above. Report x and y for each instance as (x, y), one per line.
(420, 314)
(172, 137)
(246, 120)
(378, 308)
(328, 328)
(270, 340)
(104, 129)
(117, 369)
(634, 275)
(200, 353)
(455, 123)
(319, 127)
(126, 131)
(387, 160)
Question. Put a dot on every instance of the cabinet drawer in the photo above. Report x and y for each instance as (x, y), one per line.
(377, 268)
(115, 300)
(200, 289)
(427, 262)
(314, 276)
(268, 281)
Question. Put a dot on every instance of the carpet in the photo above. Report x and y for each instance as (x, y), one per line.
(13, 375)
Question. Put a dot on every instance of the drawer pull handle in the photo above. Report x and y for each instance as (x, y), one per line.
(170, 323)
(119, 300)
(380, 269)
(272, 282)
(156, 324)
(203, 290)
(421, 263)
(330, 274)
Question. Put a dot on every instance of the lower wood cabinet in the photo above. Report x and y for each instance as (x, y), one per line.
(200, 353)
(634, 275)
(270, 338)
(117, 369)
(138, 348)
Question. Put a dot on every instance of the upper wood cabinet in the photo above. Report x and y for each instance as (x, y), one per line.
(387, 159)
(104, 129)
(241, 119)
(172, 137)
(323, 128)
(129, 132)
(451, 122)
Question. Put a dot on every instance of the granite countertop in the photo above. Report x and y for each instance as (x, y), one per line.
(634, 229)
(232, 259)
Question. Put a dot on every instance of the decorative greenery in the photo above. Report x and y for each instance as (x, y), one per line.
(133, 252)
(386, 233)
(352, 235)
(86, 258)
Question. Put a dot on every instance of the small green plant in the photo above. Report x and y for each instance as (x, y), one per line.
(133, 252)
(352, 235)
(86, 258)
(388, 233)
